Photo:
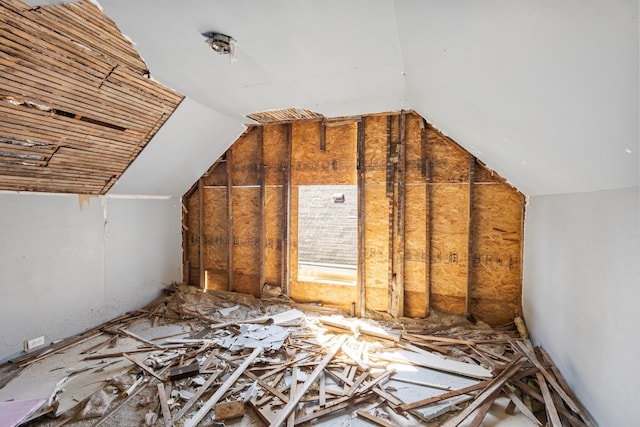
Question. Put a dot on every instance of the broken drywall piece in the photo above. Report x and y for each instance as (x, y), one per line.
(251, 335)
(13, 413)
(432, 361)
(227, 311)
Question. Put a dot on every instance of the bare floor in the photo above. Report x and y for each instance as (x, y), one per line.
(223, 359)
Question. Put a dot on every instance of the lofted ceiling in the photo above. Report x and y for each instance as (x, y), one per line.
(544, 92)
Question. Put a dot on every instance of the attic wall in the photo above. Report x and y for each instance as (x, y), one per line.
(419, 217)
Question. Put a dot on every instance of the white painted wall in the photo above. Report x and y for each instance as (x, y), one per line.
(65, 268)
(581, 295)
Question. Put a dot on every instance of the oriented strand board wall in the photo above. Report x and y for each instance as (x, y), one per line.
(425, 205)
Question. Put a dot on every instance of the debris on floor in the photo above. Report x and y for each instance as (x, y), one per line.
(194, 358)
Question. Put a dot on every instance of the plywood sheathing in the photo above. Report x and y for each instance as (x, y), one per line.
(427, 255)
(71, 82)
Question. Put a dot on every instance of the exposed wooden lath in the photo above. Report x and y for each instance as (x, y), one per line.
(284, 115)
(76, 103)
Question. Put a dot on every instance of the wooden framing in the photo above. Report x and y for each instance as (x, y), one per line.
(472, 168)
(230, 236)
(361, 228)
(437, 230)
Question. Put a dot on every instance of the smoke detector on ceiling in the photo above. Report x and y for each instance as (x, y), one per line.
(221, 43)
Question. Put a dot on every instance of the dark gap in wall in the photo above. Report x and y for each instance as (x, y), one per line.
(28, 104)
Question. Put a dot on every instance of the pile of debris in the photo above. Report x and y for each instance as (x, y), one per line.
(230, 359)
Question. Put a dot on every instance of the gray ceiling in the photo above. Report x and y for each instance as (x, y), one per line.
(544, 92)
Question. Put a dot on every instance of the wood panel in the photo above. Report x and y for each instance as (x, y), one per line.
(496, 259)
(415, 254)
(335, 165)
(246, 231)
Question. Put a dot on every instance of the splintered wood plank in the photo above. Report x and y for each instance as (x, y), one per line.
(374, 419)
(549, 405)
(311, 378)
(192, 422)
(494, 386)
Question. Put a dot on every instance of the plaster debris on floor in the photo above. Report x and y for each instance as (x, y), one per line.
(194, 358)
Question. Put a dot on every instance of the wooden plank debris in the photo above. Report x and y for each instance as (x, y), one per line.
(229, 410)
(192, 422)
(327, 367)
(286, 411)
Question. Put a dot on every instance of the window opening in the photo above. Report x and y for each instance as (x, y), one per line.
(328, 234)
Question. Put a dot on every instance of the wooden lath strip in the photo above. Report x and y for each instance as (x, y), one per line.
(54, 129)
(20, 51)
(73, 81)
(95, 35)
(284, 115)
(46, 41)
(61, 92)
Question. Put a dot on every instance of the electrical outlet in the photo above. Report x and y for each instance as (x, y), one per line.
(33, 343)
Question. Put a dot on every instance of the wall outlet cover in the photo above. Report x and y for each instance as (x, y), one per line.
(33, 343)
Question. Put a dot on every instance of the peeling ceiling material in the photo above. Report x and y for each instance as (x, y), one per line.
(284, 115)
(76, 103)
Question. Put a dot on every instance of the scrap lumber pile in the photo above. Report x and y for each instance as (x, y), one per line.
(237, 359)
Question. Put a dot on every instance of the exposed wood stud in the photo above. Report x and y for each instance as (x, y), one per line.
(286, 205)
(391, 197)
(323, 135)
(472, 168)
(263, 221)
(361, 216)
(201, 242)
(230, 236)
(400, 250)
(426, 173)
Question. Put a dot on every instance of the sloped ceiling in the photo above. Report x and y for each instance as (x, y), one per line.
(76, 106)
(544, 92)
